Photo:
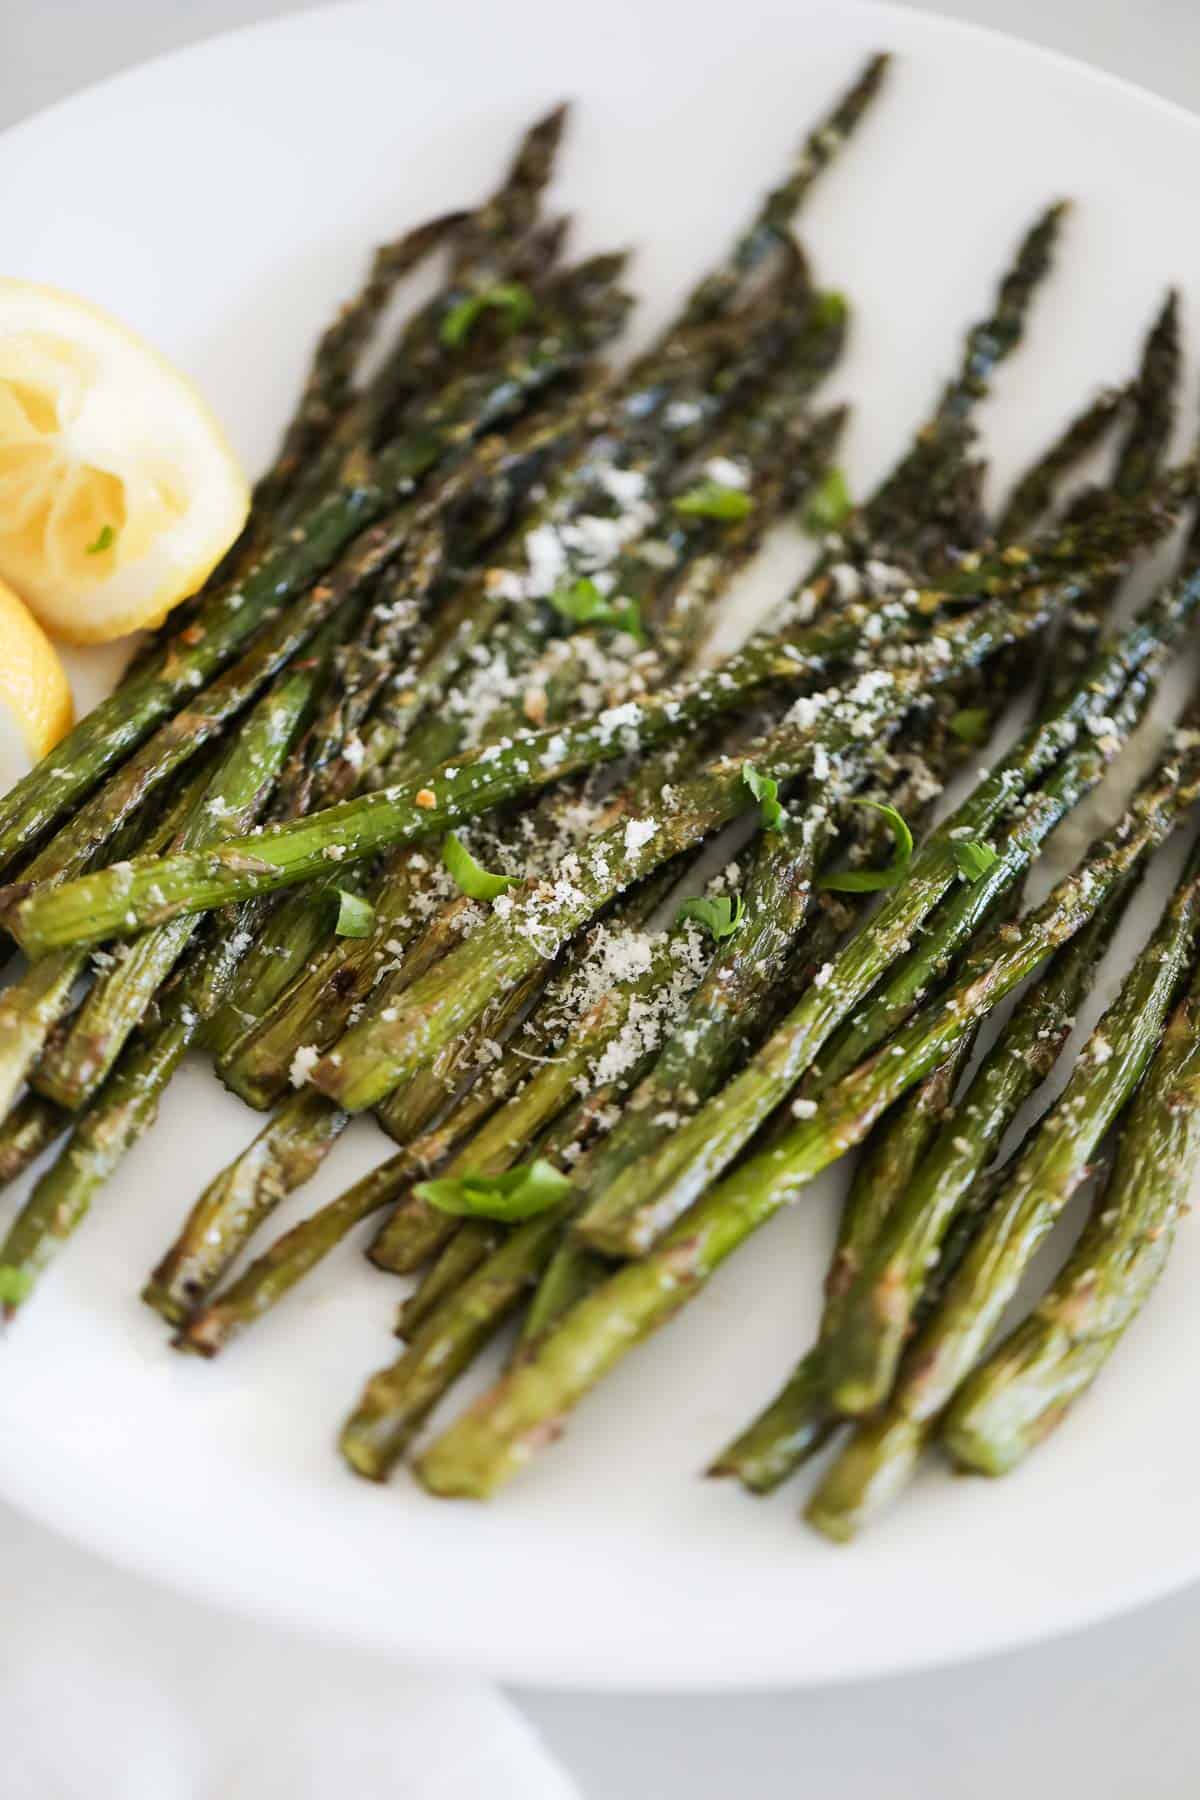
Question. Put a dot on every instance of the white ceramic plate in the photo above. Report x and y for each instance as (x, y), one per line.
(221, 200)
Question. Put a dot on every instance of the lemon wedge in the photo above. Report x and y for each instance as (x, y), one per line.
(118, 489)
(33, 682)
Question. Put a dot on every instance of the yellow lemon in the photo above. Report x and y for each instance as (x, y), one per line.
(33, 682)
(118, 489)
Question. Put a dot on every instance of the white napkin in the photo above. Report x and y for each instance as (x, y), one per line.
(114, 1690)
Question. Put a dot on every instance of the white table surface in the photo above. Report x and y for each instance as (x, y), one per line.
(1110, 1712)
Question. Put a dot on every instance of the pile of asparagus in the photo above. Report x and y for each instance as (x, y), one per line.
(432, 805)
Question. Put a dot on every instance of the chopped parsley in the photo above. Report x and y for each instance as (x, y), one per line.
(872, 881)
(766, 791)
(971, 724)
(713, 500)
(973, 858)
(721, 916)
(511, 298)
(355, 916)
(583, 604)
(522, 1193)
(829, 505)
(15, 1284)
(469, 876)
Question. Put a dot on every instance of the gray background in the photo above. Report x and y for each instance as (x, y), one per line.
(1108, 1713)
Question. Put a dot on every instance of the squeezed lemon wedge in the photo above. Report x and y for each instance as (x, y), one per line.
(33, 682)
(118, 490)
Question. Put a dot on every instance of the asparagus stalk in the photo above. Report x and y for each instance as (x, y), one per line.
(123, 1111)
(501, 1431)
(358, 828)
(294, 1254)
(649, 1195)
(1055, 1162)
(460, 1256)
(398, 1400)
(963, 914)
(325, 397)
(751, 977)
(118, 903)
(32, 1005)
(378, 1053)
(1141, 452)
(329, 385)
(466, 408)
(339, 759)
(297, 1140)
(1034, 491)
(675, 603)
(286, 1153)
(31, 1127)
(876, 1296)
(1154, 395)
(1027, 1385)
(792, 1424)
(233, 799)
(494, 241)
(799, 1420)
(906, 508)
(1047, 1170)
(768, 230)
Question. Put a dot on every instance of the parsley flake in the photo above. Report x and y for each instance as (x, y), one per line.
(583, 604)
(971, 724)
(721, 916)
(511, 298)
(873, 881)
(713, 500)
(521, 1193)
(766, 791)
(973, 858)
(355, 916)
(829, 505)
(470, 877)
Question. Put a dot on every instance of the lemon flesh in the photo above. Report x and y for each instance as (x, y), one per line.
(118, 490)
(34, 690)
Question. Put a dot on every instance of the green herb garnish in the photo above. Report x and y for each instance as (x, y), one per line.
(105, 538)
(582, 602)
(972, 858)
(971, 724)
(830, 504)
(470, 877)
(830, 308)
(522, 1193)
(355, 916)
(871, 881)
(721, 916)
(509, 297)
(766, 791)
(713, 500)
(15, 1284)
